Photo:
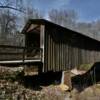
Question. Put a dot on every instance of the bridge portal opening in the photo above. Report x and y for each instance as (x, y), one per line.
(33, 41)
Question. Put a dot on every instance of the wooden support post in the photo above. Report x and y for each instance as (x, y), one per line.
(42, 40)
(23, 55)
(66, 81)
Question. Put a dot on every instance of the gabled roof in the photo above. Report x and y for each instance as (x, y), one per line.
(51, 24)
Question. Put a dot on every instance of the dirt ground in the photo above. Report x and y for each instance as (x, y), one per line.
(14, 87)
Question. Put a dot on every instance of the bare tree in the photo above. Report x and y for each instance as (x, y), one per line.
(7, 22)
(8, 18)
(16, 5)
(65, 18)
(32, 13)
(12, 18)
(91, 29)
(68, 18)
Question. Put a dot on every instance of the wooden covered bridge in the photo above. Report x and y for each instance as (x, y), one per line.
(55, 47)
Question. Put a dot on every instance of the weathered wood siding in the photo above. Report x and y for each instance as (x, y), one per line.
(67, 49)
(62, 48)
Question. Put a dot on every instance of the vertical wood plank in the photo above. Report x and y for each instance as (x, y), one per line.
(42, 42)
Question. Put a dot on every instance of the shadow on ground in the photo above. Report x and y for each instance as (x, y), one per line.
(36, 81)
(91, 77)
(80, 82)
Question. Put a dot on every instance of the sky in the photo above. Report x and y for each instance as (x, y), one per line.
(87, 10)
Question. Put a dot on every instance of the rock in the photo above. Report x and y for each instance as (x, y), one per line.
(64, 87)
(77, 72)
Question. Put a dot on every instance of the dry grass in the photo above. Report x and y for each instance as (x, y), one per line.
(85, 66)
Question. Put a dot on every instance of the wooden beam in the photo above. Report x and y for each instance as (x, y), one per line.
(42, 42)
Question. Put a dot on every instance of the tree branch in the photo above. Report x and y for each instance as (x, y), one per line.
(9, 7)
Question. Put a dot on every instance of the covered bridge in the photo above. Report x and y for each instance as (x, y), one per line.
(55, 47)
